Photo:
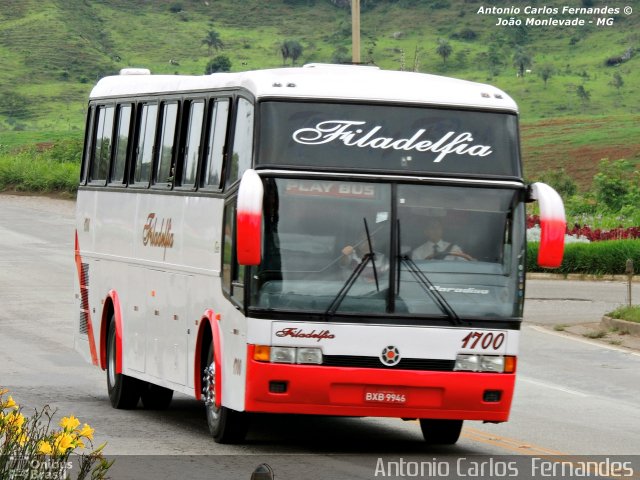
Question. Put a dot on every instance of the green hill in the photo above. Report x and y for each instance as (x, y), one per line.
(52, 51)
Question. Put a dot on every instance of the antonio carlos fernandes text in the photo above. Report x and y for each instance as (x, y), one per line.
(492, 468)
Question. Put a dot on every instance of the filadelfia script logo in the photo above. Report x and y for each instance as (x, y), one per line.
(155, 235)
(300, 333)
(357, 134)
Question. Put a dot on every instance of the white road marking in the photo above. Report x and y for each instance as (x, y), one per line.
(552, 386)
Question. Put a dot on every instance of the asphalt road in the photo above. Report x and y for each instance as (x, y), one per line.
(553, 302)
(573, 396)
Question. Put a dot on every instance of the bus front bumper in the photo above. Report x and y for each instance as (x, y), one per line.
(377, 392)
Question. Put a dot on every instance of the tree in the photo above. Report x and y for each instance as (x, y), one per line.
(221, 63)
(521, 59)
(290, 49)
(546, 72)
(444, 50)
(617, 81)
(341, 55)
(295, 51)
(617, 184)
(284, 51)
(213, 41)
(583, 94)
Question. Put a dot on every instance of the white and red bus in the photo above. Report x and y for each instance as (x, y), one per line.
(259, 241)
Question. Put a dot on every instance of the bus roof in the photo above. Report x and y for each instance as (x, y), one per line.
(318, 82)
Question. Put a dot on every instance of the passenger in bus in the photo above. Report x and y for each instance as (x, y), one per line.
(436, 248)
(352, 256)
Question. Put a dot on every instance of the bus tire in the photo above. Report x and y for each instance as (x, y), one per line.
(155, 397)
(124, 391)
(440, 432)
(225, 425)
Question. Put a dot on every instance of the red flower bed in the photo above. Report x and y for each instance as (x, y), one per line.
(618, 233)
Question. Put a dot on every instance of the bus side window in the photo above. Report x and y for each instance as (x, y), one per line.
(164, 168)
(242, 141)
(88, 145)
(232, 273)
(189, 162)
(121, 141)
(103, 140)
(144, 150)
(212, 171)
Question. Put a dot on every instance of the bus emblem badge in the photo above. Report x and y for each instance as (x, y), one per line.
(390, 356)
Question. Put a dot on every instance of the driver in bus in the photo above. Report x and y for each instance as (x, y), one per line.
(436, 248)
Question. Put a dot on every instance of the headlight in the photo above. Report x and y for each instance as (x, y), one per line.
(301, 355)
(492, 363)
(309, 355)
(283, 355)
(469, 363)
(485, 363)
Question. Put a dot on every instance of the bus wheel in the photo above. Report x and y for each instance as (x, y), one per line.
(225, 425)
(440, 432)
(124, 391)
(155, 397)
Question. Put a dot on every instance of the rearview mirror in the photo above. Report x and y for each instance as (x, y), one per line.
(249, 219)
(552, 225)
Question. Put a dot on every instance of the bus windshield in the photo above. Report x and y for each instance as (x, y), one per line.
(416, 249)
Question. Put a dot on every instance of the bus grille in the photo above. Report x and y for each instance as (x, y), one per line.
(84, 299)
(374, 362)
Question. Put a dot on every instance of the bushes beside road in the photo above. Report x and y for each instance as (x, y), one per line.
(41, 168)
(630, 314)
(597, 258)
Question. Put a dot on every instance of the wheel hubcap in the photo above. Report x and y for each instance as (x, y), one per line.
(209, 383)
(111, 369)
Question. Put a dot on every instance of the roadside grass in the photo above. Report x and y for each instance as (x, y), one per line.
(24, 139)
(596, 334)
(53, 169)
(628, 313)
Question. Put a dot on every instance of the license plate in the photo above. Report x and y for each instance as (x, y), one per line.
(385, 396)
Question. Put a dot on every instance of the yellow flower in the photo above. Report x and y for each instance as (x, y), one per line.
(78, 443)
(3, 391)
(63, 442)
(86, 432)
(69, 423)
(14, 420)
(22, 439)
(44, 448)
(10, 403)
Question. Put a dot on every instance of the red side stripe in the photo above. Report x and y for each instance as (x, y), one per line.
(118, 319)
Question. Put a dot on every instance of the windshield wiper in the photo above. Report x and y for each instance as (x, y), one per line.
(373, 255)
(425, 283)
(366, 258)
(428, 287)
